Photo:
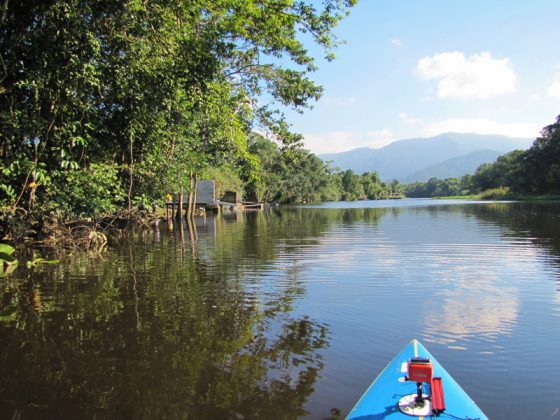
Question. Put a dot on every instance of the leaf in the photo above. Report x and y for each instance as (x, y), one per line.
(7, 258)
(35, 262)
(7, 269)
(6, 249)
(8, 262)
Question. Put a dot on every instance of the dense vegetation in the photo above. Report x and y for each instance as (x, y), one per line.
(104, 105)
(301, 177)
(520, 172)
(111, 105)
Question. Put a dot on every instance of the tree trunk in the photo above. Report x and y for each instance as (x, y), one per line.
(131, 170)
(194, 182)
(180, 205)
(192, 195)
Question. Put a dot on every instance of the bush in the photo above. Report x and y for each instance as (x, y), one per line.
(91, 191)
(500, 193)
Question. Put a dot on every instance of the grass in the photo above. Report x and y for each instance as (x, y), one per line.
(541, 197)
(508, 197)
(459, 197)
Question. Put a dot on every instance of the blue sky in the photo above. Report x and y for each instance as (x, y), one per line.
(417, 68)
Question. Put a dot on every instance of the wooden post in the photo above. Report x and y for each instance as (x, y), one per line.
(190, 204)
(194, 182)
(180, 206)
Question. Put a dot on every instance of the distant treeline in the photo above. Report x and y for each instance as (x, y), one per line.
(520, 172)
(297, 176)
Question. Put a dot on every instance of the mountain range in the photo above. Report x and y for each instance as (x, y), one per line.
(444, 156)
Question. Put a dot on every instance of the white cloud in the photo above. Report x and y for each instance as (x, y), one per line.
(482, 126)
(385, 133)
(554, 89)
(341, 141)
(403, 116)
(380, 138)
(332, 142)
(479, 76)
(396, 42)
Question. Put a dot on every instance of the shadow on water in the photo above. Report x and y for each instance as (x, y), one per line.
(539, 223)
(162, 327)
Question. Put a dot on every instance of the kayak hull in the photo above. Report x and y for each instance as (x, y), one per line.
(381, 399)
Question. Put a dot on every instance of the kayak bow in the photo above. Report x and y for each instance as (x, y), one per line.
(412, 385)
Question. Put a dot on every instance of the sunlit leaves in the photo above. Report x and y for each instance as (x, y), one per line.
(158, 90)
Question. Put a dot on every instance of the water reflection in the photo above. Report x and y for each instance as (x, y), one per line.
(471, 307)
(158, 329)
(286, 314)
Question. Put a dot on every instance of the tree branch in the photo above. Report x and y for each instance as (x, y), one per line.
(243, 68)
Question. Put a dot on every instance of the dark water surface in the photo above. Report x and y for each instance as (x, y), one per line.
(290, 313)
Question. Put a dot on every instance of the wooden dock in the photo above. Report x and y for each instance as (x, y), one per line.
(248, 205)
(242, 205)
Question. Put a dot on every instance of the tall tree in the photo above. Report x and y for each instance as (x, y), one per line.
(140, 86)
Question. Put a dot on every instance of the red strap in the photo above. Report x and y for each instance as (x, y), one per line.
(438, 400)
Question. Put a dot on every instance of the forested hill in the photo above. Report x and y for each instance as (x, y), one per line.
(454, 167)
(413, 159)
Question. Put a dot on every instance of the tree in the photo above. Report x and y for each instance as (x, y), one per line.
(542, 162)
(287, 174)
(351, 186)
(156, 91)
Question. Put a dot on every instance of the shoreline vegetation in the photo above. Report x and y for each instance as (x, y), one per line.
(112, 106)
(527, 175)
(516, 176)
(107, 108)
(507, 197)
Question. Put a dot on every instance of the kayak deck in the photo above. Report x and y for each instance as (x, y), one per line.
(381, 399)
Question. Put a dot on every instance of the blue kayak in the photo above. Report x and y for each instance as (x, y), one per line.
(415, 385)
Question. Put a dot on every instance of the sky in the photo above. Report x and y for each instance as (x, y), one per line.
(418, 68)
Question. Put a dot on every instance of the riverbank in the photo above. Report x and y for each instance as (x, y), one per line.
(507, 197)
(35, 229)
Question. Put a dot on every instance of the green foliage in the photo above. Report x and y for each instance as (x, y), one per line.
(226, 178)
(90, 191)
(500, 193)
(7, 249)
(532, 171)
(8, 263)
(440, 187)
(142, 202)
(37, 260)
(156, 92)
(351, 186)
(367, 186)
(542, 161)
(288, 175)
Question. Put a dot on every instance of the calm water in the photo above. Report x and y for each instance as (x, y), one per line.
(290, 313)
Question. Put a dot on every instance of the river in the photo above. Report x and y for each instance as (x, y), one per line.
(289, 313)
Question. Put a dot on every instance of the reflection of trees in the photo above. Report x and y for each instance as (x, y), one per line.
(482, 302)
(160, 330)
(537, 222)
